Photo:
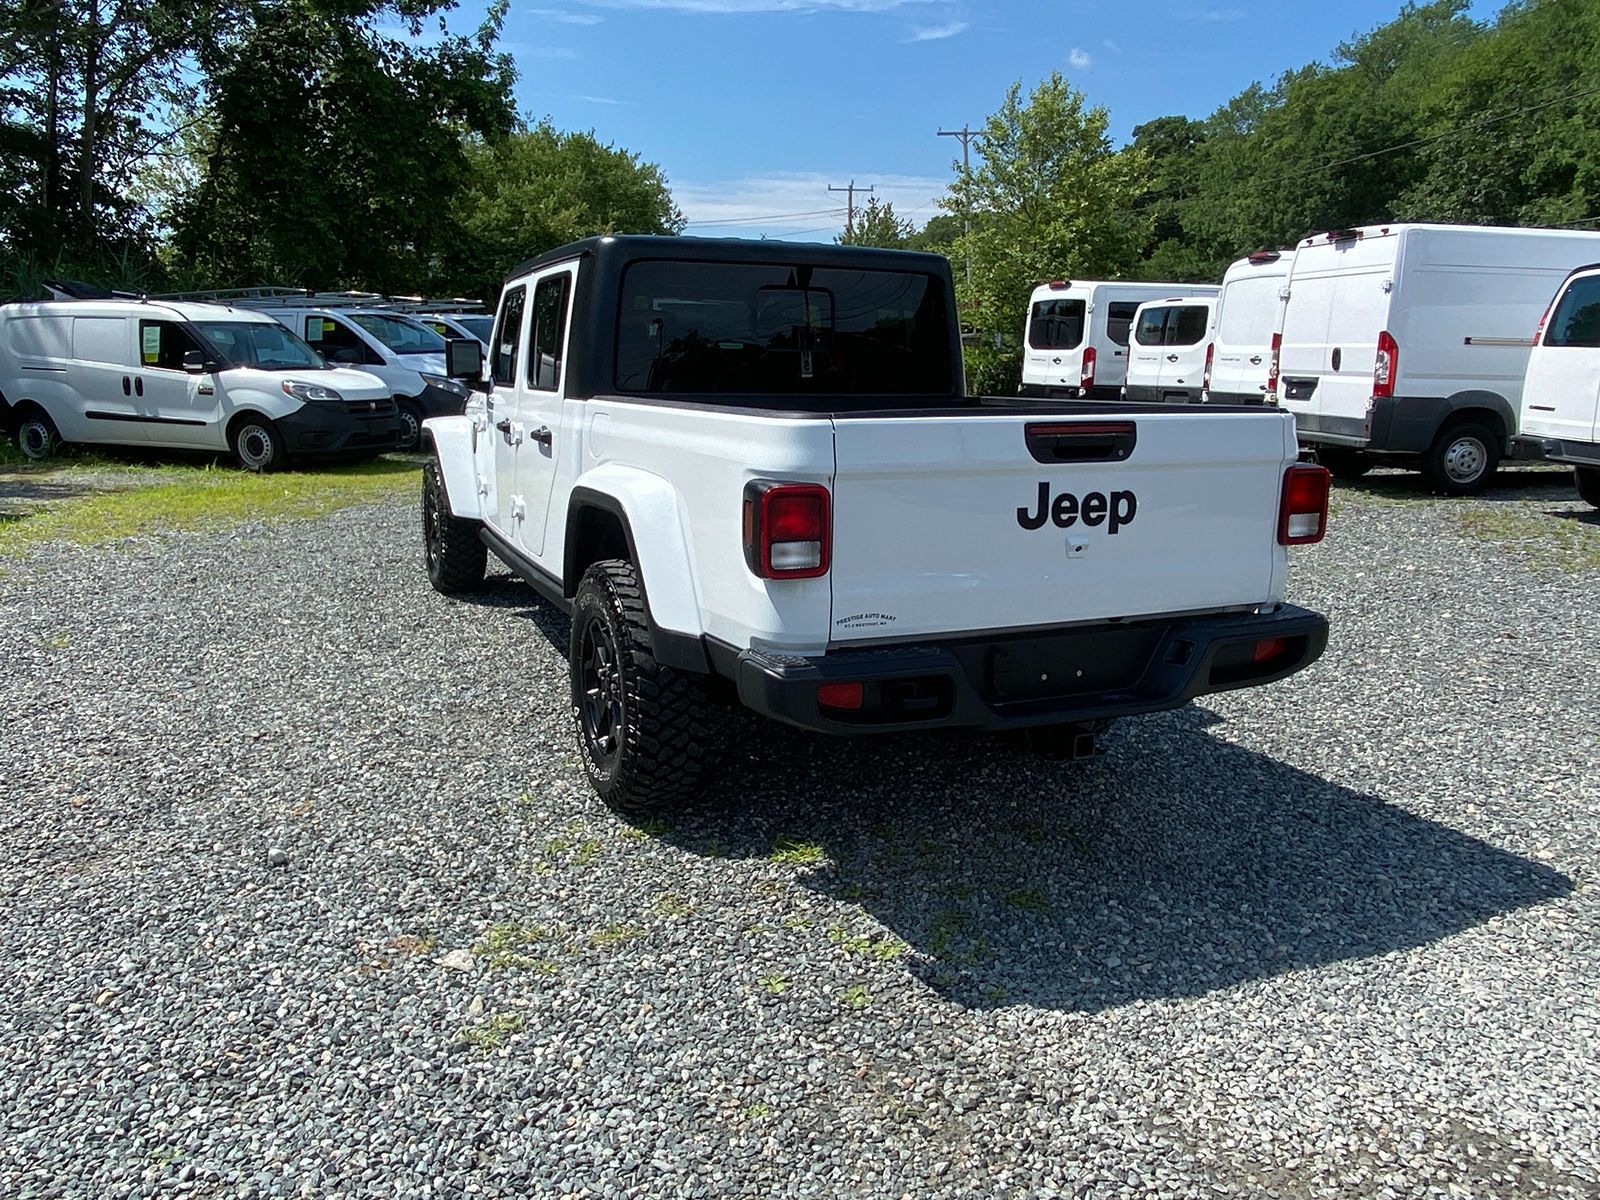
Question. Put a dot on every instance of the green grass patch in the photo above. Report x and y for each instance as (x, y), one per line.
(855, 996)
(795, 852)
(492, 1032)
(154, 499)
(1556, 543)
(509, 946)
(776, 983)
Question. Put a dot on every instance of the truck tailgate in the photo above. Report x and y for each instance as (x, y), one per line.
(976, 522)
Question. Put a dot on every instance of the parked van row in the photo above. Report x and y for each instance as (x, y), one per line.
(1404, 345)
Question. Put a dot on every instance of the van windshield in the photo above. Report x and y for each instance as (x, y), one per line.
(1056, 324)
(265, 345)
(400, 334)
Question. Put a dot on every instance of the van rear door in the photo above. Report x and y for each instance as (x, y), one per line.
(1052, 357)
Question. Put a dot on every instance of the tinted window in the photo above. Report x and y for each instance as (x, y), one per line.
(508, 335)
(1152, 326)
(1119, 319)
(478, 327)
(1576, 320)
(1187, 325)
(400, 334)
(1056, 324)
(770, 329)
(336, 341)
(162, 345)
(549, 331)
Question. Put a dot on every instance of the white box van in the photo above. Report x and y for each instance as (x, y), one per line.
(1167, 352)
(185, 376)
(1249, 322)
(1410, 342)
(1075, 342)
(1561, 391)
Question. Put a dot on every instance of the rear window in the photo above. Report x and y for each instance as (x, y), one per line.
(1576, 319)
(1119, 320)
(780, 329)
(1056, 324)
(1151, 328)
(1188, 324)
(1249, 311)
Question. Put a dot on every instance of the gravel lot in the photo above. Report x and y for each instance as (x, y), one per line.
(301, 893)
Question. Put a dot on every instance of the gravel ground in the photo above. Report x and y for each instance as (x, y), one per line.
(301, 893)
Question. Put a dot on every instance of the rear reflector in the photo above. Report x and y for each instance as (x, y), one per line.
(840, 695)
(1086, 375)
(1272, 363)
(1385, 365)
(1205, 376)
(1303, 510)
(787, 529)
(1268, 648)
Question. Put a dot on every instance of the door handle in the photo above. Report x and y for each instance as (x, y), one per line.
(1172, 358)
(1255, 360)
(138, 386)
(504, 426)
(543, 436)
(127, 386)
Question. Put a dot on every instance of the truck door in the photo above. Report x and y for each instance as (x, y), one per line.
(497, 446)
(539, 403)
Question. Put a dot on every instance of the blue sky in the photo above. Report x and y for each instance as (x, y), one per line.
(753, 107)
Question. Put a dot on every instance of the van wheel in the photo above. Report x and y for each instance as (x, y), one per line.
(37, 436)
(641, 726)
(1345, 464)
(1462, 459)
(257, 444)
(1588, 481)
(455, 555)
(410, 426)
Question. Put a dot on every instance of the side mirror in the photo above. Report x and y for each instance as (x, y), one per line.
(195, 363)
(463, 360)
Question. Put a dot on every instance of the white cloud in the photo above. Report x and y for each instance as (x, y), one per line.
(584, 98)
(937, 33)
(797, 202)
(524, 50)
(565, 17)
(1111, 46)
(1079, 59)
(760, 6)
(1224, 14)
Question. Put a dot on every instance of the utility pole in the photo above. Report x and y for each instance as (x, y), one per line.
(850, 191)
(966, 134)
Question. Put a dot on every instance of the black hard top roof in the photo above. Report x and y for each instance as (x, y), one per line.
(627, 246)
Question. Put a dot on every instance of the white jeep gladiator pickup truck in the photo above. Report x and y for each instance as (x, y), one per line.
(749, 469)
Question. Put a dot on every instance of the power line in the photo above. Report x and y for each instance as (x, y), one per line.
(850, 190)
(967, 134)
(816, 212)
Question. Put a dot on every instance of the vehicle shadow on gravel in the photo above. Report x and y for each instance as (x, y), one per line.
(1176, 865)
(1509, 484)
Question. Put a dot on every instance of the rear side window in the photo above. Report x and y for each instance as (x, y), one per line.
(162, 345)
(100, 339)
(1119, 320)
(508, 336)
(1187, 325)
(1152, 327)
(549, 332)
(1056, 324)
(1576, 319)
(336, 341)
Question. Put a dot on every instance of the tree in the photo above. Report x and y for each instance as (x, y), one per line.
(1049, 198)
(878, 226)
(540, 188)
(938, 235)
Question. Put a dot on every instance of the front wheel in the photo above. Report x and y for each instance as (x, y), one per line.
(37, 437)
(455, 555)
(258, 445)
(1462, 459)
(1588, 481)
(410, 426)
(642, 727)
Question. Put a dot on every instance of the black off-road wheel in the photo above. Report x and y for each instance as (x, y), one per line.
(455, 555)
(1588, 481)
(1345, 464)
(1462, 459)
(643, 728)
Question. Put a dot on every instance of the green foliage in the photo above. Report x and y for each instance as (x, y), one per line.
(878, 226)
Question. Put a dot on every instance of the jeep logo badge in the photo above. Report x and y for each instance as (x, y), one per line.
(1093, 509)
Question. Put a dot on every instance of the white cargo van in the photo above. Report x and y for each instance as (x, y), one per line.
(185, 376)
(1249, 322)
(1167, 352)
(1561, 391)
(1408, 343)
(1075, 342)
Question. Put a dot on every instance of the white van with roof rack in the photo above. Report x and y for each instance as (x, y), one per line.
(1561, 391)
(117, 371)
(1075, 341)
(1407, 344)
(1249, 326)
(1167, 350)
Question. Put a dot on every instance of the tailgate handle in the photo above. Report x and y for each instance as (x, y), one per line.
(1089, 441)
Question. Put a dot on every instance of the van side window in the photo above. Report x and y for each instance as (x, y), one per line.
(1576, 320)
(1152, 326)
(162, 345)
(1187, 325)
(1119, 317)
(549, 331)
(507, 334)
(335, 341)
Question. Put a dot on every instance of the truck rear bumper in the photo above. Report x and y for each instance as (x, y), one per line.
(1018, 681)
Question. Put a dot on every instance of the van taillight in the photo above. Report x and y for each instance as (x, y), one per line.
(1086, 375)
(1205, 376)
(788, 529)
(1303, 509)
(1538, 333)
(1272, 362)
(1386, 365)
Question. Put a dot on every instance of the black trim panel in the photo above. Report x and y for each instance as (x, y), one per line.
(136, 419)
(530, 572)
(1532, 447)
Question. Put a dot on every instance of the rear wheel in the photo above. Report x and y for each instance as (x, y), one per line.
(37, 437)
(455, 555)
(1345, 464)
(1462, 459)
(1588, 481)
(642, 727)
(257, 444)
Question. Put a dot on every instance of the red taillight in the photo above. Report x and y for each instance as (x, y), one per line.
(1086, 375)
(1205, 376)
(1538, 333)
(1268, 649)
(1386, 366)
(841, 695)
(1055, 285)
(1272, 362)
(788, 529)
(1303, 509)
